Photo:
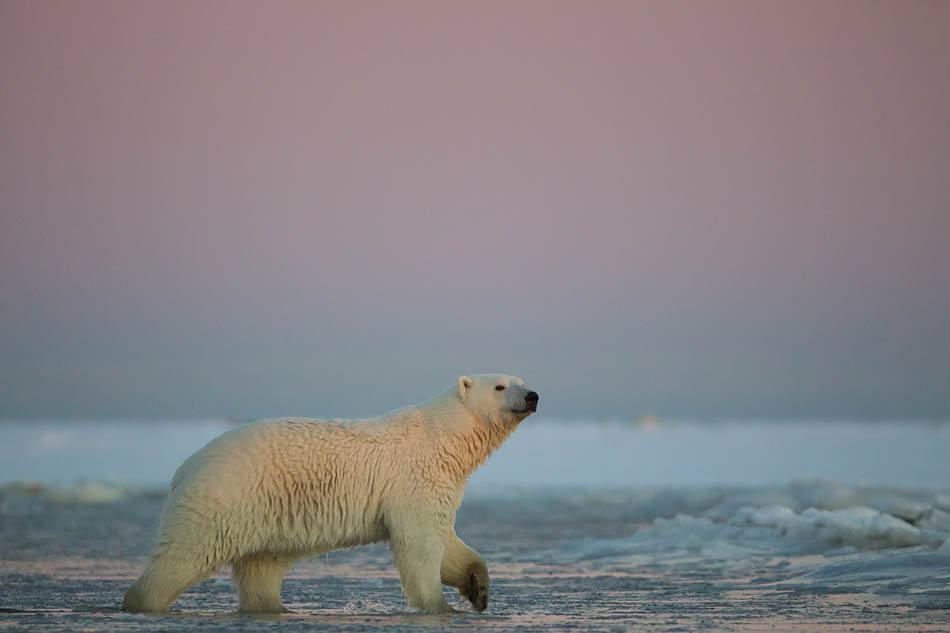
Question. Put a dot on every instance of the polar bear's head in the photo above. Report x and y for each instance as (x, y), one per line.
(497, 397)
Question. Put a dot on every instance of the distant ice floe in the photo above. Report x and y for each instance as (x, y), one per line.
(88, 492)
(82, 492)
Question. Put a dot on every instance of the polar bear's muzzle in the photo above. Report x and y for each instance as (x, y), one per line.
(530, 403)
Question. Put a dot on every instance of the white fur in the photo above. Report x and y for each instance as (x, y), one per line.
(268, 493)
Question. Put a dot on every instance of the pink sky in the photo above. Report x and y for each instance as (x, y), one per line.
(687, 208)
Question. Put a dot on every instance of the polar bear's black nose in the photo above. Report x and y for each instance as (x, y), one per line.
(532, 396)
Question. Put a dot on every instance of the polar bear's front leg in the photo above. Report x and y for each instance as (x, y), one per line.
(417, 554)
(464, 568)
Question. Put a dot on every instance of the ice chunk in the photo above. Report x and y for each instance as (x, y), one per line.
(87, 492)
(861, 527)
(771, 530)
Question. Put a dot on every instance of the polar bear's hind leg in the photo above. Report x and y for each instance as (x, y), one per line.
(161, 583)
(258, 578)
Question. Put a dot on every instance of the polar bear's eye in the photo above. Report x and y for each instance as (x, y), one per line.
(499, 387)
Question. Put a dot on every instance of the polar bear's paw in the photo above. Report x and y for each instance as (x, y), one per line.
(476, 592)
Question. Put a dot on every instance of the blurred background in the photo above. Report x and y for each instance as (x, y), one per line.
(689, 210)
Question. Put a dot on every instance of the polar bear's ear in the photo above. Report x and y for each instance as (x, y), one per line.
(465, 383)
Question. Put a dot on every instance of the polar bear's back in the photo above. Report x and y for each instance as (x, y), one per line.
(289, 446)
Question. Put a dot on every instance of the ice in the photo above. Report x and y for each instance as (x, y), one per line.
(739, 529)
(362, 606)
(859, 527)
(87, 492)
(910, 576)
(850, 545)
(892, 566)
(773, 530)
(138, 618)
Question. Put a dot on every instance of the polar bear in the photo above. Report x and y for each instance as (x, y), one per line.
(265, 494)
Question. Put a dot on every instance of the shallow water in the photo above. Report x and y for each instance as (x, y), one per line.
(752, 555)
